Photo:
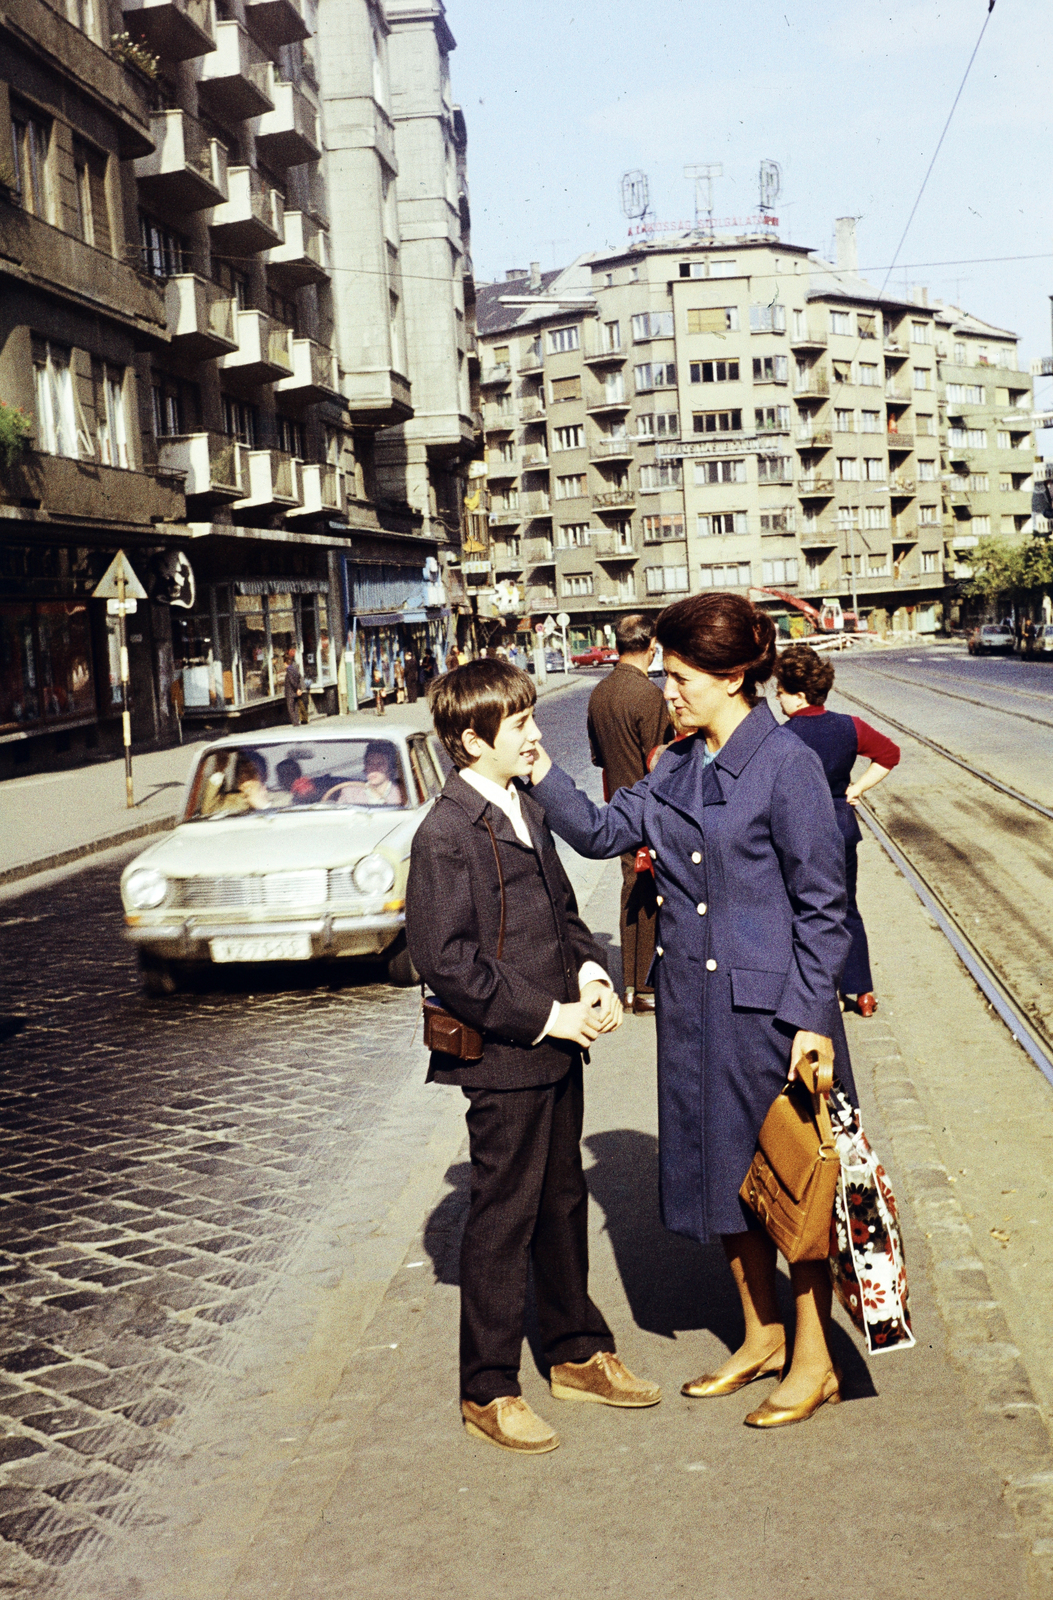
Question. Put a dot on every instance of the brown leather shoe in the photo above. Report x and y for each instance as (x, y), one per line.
(605, 1379)
(509, 1423)
(866, 1004)
(643, 1005)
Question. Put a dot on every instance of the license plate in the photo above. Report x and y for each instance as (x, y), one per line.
(263, 947)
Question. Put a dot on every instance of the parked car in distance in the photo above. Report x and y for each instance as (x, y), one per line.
(290, 847)
(598, 655)
(992, 638)
(1044, 639)
(554, 661)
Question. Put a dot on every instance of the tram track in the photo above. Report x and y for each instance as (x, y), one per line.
(971, 700)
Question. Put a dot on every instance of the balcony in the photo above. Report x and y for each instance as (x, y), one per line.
(251, 217)
(813, 384)
(322, 490)
(232, 81)
(502, 373)
(901, 486)
(611, 546)
(614, 499)
(186, 170)
(498, 419)
(506, 516)
(814, 439)
(315, 373)
(532, 409)
(534, 458)
(536, 505)
(212, 463)
(533, 362)
(894, 351)
(89, 280)
(272, 482)
(599, 402)
(264, 353)
(540, 597)
(288, 135)
(275, 22)
(610, 449)
(823, 537)
(896, 395)
(604, 358)
(507, 558)
(812, 487)
(503, 468)
(176, 30)
(808, 340)
(71, 493)
(900, 441)
(303, 257)
(201, 317)
(539, 553)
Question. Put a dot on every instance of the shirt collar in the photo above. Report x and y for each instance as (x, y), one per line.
(506, 800)
(810, 711)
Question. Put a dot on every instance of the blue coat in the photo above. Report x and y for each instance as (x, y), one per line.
(749, 868)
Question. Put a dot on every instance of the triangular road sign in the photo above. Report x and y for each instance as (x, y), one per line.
(108, 587)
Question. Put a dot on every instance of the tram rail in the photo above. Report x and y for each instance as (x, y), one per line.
(970, 700)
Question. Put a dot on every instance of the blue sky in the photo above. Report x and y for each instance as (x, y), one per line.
(850, 98)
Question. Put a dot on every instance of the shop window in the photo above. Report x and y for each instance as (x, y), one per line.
(45, 663)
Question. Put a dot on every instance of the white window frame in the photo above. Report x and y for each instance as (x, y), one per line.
(57, 430)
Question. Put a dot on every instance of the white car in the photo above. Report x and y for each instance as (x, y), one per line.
(291, 846)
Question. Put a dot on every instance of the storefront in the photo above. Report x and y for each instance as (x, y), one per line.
(230, 649)
(397, 613)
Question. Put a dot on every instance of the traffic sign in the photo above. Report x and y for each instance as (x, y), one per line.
(119, 582)
(121, 608)
(549, 625)
(563, 620)
(539, 629)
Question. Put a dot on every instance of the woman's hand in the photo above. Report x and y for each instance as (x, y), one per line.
(874, 775)
(805, 1044)
(604, 1004)
(542, 765)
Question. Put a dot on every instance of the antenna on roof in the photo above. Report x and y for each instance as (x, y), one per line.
(770, 179)
(703, 174)
(636, 195)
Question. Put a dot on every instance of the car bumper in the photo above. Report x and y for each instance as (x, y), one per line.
(185, 939)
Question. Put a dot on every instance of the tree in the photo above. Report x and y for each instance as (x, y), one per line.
(1010, 571)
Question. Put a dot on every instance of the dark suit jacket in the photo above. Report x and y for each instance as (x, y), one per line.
(453, 914)
(627, 718)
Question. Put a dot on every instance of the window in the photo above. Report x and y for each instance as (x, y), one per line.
(719, 269)
(500, 354)
(572, 535)
(112, 427)
(31, 145)
(658, 425)
(571, 486)
(922, 378)
(661, 475)
(928, 515)
(876, 469)
(923, 424)
(566, 389)
(871, 421)
(576, 583)
(722, 523)
(717, 422)
(846, 518)
(1005, 439)
(970, 438)
(768, 319)
(290, 437)
(653, 325)
(713, 319)
(778, 522)
(842, 373)
(164, 252)
(970, 394)
(780, 571)
(666, 580)
(560, 339)
(980, 482)
(845, 421)
(771, 369)
(926, 471)
(655, 375)
(869, 375)
(920, 333)
(732, 470)
(731, 575)
(929, 559)
(715, 371)
(980, 525)
(866, 324)
(875, 517)
(772, 419)
(57, 432)
(572, 438)
(241, 421)
(774, 469)
(877, 564)
(612, 336)
(848, 469)
(840, 322)
(657, 529)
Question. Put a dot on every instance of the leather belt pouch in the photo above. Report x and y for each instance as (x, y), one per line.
(449, 1035)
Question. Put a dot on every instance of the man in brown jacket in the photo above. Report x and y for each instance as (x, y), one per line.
(627, 718)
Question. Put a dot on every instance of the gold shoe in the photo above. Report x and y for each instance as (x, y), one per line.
(510, 1424)
(711, 1385)
(769, 1415)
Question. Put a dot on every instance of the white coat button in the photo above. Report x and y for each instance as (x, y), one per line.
(711, 966)
(658, 950)
(660, 898)
(696, 856)
(653, 855)
(701, 908)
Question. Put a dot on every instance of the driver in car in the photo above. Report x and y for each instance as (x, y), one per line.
(249, 792)
(380, 786)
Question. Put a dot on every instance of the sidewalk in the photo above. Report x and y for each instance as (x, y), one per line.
(333, 1463)
(49, 819)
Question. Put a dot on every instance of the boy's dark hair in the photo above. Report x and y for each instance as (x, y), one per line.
(478, 695)
(802, 670)
(633, 634)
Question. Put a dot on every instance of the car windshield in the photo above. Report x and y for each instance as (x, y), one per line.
(281, 777)
(995, 628)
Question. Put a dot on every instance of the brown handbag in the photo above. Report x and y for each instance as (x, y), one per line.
(792, 1178)
(445, 1032)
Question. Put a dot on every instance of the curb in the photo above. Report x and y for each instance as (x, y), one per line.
(62, 858)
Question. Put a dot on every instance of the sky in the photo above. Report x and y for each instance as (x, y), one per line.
(561, 97)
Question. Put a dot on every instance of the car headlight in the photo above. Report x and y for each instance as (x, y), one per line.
(145, 889)
(373, 875)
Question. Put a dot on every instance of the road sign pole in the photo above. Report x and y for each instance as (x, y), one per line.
(126, 720)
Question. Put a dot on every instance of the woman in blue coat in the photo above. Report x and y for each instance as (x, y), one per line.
(751, 940)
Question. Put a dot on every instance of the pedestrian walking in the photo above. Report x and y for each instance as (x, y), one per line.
(740, 826)
(295, 690)
(804, 680)
(378, 684)
(427, 671)
(453, 658)
(412, 672)
(492, 926)
(399, 674)
(627, 718)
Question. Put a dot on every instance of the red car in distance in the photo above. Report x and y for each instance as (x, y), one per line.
(598, 655)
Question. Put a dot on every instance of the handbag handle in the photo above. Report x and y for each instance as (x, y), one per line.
(817, 1079)
(501, 881)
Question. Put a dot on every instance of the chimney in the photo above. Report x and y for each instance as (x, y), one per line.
(535, 274)
(514, 274)
(847, 256)
(920, 294)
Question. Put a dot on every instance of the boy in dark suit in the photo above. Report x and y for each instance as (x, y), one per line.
(538, 1007)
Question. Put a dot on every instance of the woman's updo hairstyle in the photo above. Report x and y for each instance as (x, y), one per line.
(722, 634)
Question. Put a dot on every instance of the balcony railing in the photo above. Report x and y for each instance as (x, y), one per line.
(275, 22)
(540, 596)
(814, 439)
(212, 462)
(611, 546)
(322, 489)
(614, 499)
(176, 30)
(303, 256)
(900, 484)
(532, 409)
(898, 395)
(813, 384)
(811, 485)
(900, 441)
(506, 559)
(232, 80)
(606, 449)
(539, 553)
(604, 358)
(264, 351)
(288, 135)
(201, 317)
(505, 516)
(315, 372)
(502, 373)
(808, 340)
(536, 505)
(186, 170)
(534, 459)
(498, 419)
(600, 400)
(502, 467)
(251, 218)
(533, 361)
(272, 481)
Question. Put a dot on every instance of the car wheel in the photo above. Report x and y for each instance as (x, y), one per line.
(401, 971)
(160, 978)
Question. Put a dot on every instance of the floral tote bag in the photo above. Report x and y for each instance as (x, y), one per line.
(866, 1245)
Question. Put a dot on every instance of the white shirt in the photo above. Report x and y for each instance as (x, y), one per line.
(507, 800)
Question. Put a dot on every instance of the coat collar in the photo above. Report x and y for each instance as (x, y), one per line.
(474, 804)
(687, 785)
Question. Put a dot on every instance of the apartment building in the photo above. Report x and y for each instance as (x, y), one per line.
(720, 414)
(174, 295)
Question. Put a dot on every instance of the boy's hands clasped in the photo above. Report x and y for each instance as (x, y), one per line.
(598, 1011)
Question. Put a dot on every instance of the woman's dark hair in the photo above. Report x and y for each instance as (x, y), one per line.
(801, 670)
(722, 634)
(478, 695)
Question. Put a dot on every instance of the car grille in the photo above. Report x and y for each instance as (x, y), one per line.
(292, 891)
